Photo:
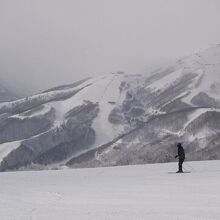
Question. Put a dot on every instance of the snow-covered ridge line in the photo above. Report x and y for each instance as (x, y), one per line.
(110, 115)
(68, 86)
(165, 81)
(8, 147)
(193, 116)
(39, 99)
(46, 109)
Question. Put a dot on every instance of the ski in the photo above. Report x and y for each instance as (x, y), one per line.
(178, 173)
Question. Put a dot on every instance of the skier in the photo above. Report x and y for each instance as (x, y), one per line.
(181, 156)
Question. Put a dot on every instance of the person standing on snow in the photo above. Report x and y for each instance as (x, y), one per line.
(181, 156)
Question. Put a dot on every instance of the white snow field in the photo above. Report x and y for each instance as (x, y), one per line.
(142, 192)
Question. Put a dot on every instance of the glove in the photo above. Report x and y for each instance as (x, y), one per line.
(176, 156)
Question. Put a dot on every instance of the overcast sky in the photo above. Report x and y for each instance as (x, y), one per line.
(50, 42)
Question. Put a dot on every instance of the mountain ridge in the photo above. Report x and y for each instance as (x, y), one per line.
(117, 119)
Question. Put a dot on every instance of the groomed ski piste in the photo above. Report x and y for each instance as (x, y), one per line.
(141, 192)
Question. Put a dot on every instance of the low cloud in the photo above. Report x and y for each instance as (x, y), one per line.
(50, 42)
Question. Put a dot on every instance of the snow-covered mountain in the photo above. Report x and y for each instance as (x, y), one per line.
(118, 119)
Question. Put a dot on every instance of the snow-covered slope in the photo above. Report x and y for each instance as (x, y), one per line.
(178, 103)
(119, 193)
(68, 113)
(117, 119)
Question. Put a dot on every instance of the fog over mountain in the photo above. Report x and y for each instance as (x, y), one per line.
(6, 94)
(117, 119)
(45, 43)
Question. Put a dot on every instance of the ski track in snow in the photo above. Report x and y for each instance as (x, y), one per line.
(117, 193)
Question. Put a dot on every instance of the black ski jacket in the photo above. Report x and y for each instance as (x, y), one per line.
(181, 153)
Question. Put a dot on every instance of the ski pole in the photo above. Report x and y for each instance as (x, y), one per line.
(190, 166)
(186, 170)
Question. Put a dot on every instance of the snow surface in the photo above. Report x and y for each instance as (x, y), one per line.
(144, 192)
(102, 90)
(192, 117)
(166, 81)
(41, 112)
(195, 114)
(105, 131)
(208, 65)
(6, 148)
